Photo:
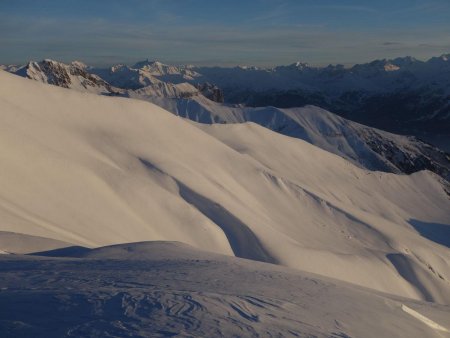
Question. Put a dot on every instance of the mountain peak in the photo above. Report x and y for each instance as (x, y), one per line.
(439, 60)
(299, 65)
(149, 63)
(445, 57)
(79, 64)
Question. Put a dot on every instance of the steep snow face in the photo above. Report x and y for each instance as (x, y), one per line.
(163, 289)
(94, 170)
(72, 76)
(364, 146)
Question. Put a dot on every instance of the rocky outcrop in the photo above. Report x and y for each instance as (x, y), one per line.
(211, 91)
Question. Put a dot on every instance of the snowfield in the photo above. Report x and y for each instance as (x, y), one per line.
(166, 289)
(91, 171)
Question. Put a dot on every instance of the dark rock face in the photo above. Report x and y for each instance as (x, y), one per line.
(57, 75)
(89, 79)
(212, 92)
(409, 159)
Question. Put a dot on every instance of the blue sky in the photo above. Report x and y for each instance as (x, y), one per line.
(226, 32)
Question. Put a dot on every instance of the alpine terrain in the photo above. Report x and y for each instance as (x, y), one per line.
(196, 218)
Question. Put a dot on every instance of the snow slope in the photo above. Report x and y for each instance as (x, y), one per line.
(17, 243)
(165, 289)
(93, 170)
(366, 147)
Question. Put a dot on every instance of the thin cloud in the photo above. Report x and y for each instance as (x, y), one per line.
(90, 39)
(391, 43)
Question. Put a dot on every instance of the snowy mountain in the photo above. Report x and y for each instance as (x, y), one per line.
(167, 73)
(403, 95)
(366, 147)
(155, 79)
(382, 76)
(119, 80)
(91, 170)
(164, 289)
(72, 76)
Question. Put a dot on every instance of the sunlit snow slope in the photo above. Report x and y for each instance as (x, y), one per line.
(92, 171)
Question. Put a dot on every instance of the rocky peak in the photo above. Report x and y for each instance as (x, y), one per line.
(211, 91)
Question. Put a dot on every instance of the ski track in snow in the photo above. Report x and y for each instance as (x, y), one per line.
(423, 319)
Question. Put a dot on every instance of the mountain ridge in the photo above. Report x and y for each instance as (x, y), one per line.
(131, 171)
(368, 148)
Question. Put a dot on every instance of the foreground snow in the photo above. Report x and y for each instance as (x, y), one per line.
(93, 171)
(165, 289)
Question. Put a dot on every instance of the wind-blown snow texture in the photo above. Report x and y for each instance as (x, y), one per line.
(93, 170)
(166, 289)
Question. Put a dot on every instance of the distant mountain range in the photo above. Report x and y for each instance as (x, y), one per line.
(403, 95)
(374, 94)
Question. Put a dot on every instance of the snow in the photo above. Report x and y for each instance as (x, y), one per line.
(72, 76)
(423, 319)
(164, 289)
(366, 147)
(378, 76)
(146, 74)
(93, 171)
(24, 244)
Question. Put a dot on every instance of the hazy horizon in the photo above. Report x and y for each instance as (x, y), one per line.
(199, 64)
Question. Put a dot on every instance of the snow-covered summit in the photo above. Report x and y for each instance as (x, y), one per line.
(74, 76)
(164, 71)
(299, 65)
